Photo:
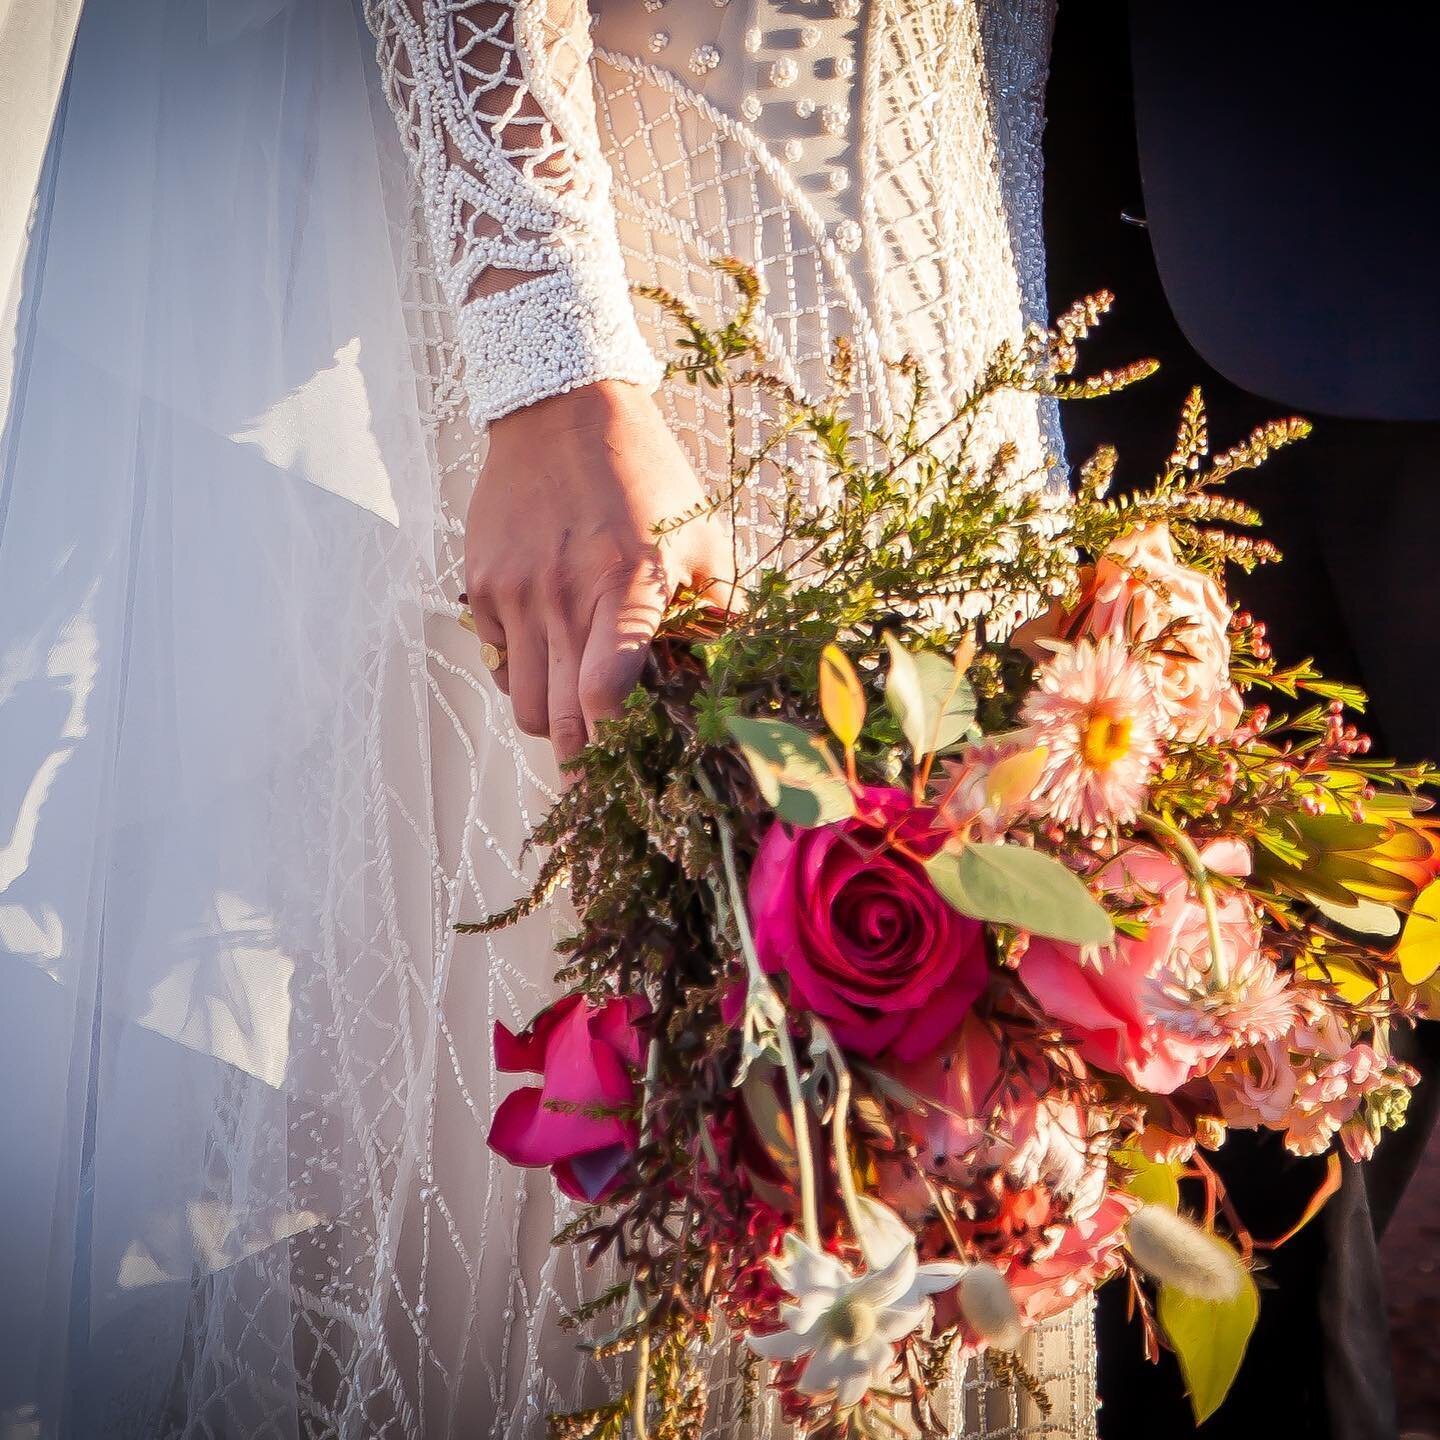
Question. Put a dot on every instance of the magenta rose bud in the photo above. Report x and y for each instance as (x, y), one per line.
(587, 1056)
(857, 929)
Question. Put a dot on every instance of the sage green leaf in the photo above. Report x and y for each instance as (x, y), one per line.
(1209, 1338)
(930, 697)
(1010, 885)
(793, 770)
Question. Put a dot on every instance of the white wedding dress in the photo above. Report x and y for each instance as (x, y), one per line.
(250, 771)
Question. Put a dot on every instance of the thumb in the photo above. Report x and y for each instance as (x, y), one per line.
(627, 613)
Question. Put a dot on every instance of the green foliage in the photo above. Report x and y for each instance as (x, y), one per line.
(1010, 885)
(797, 775)
(930, 697)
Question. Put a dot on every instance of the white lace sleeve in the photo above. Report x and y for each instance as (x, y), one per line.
(494, 100)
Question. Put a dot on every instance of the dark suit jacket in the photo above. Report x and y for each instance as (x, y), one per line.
(1257, 183)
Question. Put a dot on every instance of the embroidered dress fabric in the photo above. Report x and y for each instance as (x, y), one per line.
(254, 771)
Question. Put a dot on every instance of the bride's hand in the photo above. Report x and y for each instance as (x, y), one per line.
(562, 566)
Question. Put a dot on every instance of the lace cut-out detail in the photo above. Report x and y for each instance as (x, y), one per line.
(494, 102)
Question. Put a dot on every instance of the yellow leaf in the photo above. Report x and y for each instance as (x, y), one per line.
(842, 701)
(1209, 1338)
(1014, 778)
(1420, 940)
(1349, 984)
(1155, 1182)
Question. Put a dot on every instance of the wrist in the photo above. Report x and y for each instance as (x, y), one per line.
(595, 403)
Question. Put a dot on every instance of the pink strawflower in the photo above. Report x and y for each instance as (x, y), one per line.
(1093, 709)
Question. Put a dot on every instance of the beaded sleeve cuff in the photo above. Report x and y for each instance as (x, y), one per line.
(554, 333)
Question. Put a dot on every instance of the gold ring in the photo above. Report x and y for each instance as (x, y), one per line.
(492, 657)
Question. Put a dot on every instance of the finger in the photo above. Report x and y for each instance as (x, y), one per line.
(528, 661)
(622, 625)
(711, 564)
(489, 629)
(568, 732)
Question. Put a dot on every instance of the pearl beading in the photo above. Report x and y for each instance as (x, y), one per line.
(550, 335)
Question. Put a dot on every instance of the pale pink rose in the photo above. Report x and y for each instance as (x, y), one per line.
(1142, 593)
(991, 1127)
(1256, 1086)
(1148, 1007)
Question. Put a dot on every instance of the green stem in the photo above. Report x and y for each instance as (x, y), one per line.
(757, 979)
(1200, 874)
(840, 1125)
(641, 1396)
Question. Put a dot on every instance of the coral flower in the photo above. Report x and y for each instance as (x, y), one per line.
(1093, 709)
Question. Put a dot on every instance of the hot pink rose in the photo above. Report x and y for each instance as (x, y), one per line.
(587, 1056)
(859, 932)
(1145, 1008)
(1142, 593)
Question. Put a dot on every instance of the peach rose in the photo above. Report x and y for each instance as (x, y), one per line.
(1142, 592)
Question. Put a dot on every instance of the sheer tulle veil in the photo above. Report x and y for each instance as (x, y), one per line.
(228, 671)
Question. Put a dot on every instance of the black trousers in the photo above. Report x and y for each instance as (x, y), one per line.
(1356, 509)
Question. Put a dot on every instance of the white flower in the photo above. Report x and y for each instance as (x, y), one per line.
(848, 1324)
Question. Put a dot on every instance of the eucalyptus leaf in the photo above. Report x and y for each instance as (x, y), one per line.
(793, 770)
(930, 697)
(1011, 885)
(1209, 1339)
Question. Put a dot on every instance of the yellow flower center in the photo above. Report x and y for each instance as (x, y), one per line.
(1106, 739)
(851, 1321)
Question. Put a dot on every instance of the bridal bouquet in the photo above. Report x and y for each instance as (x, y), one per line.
(941, 907)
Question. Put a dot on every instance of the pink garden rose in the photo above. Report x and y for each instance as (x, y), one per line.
(1141, 592)
(1145, 1007)
(860, 933)
(588, 1056)
(991, 1126)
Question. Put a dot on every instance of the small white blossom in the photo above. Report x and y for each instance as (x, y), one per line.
(848, 1324)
